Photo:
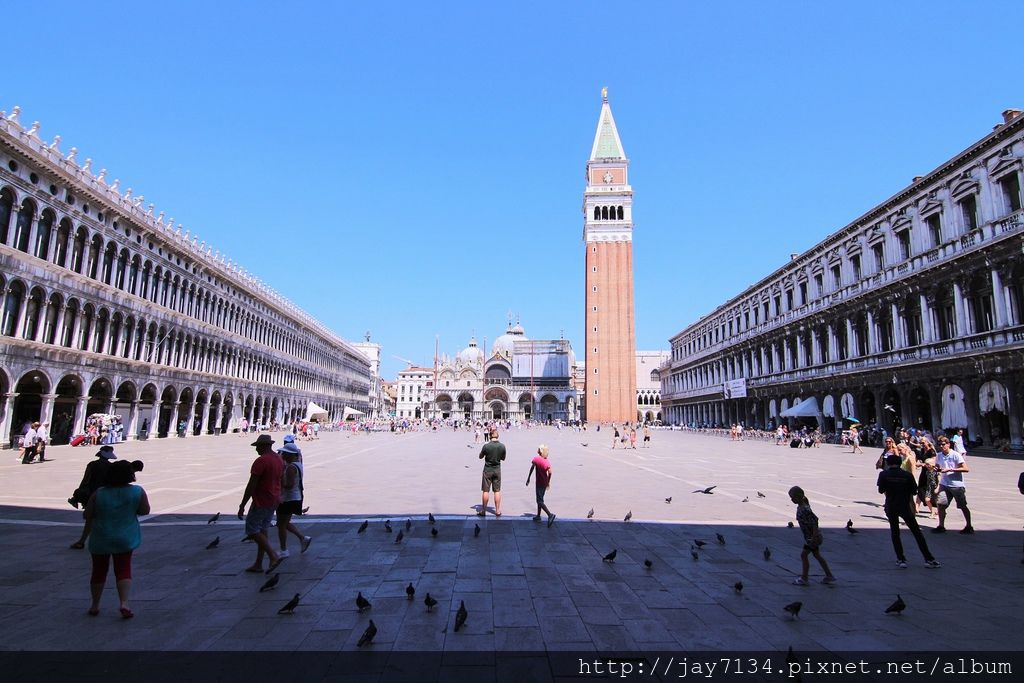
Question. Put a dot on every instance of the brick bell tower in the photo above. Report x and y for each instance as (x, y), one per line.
(608, 236)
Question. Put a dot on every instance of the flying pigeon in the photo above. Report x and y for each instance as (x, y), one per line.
(708, 491)
(476, 530)
(669, 499)
(583, 444)
(896, 607)
(460, 616)
(469, 445)
(213, 520)
(410, 591)
(700, 544)
(761, 495)
(408, 524)
(430, 517)
(721, 539)
(368, 634)
(590, 515)
(400, 536)
(362, 527)
(429, 602)
(362, 603)
(271, 583)
(794, 608)
(387, 526)
(629, 516)
(648, 564)
(738, 586)
(433, 532)
(889, 407)
(610, 557)
(746, 499)
(213, 544)
(767, 554)
(290, 606)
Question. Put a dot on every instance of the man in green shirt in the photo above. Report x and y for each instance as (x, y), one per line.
(492, 454)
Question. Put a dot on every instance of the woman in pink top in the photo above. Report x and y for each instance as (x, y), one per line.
(542, 466)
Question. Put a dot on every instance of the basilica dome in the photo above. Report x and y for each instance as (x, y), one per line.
(472, 354)
(504, 344)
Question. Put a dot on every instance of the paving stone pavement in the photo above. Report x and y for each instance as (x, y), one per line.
(527, 587)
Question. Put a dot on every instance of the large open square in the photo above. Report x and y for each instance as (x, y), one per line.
(527, 587)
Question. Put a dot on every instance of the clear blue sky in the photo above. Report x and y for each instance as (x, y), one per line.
(416, 169)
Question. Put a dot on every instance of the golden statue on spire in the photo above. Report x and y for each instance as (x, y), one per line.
(604, 93)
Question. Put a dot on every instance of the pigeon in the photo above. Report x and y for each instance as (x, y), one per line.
(429, 602)
(469, 445)
(610, 557)
(708, 491)
(850, 529)
(408, 524)
(700, 544)
(761, 495)
(668, 500)
(693, 553)
(721, 539)
(368, 634)
(387, 526)
(410, 591)
(648, 564)
(583, 444)
(305, 510)
(430, 517)
(629, 516)
(476, 530)
(738, 586)
(433, 532)
(271, 583)
(213, 544)
(590, 515)
(362, 603)
(790, 525)
(460, 616)
(767, 554)
(213, 520)
(794, 608)
(290, 606)
(746, 499)
(400, 536)
(896, 607)
(362, 527)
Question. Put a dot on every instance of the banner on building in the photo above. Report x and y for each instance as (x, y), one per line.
(735, 388)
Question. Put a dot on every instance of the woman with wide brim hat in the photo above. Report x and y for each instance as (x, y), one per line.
(95, 476)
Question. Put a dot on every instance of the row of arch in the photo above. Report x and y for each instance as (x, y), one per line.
(146, 408)
(32, 313)
(52, 238)
(608, 213)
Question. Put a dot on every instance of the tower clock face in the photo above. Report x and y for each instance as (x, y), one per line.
(608, 177)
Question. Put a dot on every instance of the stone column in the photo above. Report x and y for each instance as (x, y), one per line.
(19, 332)
(927, 327)
(971, 404)
(33, 232)
(958, 307)
(815, 347)
(897, 327)
(850, 348)
(81, 406)
(872, 333)
(58, 332)
(132, 428)
(191, 419)
(800, 356)
(1014, 414)
(204, 415)
(833, 344)
(46, 411)
(5, 423)
(998, 301)
(935, 403)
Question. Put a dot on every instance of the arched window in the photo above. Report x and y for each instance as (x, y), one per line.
(6, 209)
(597, 213)
(78, 249)
(24, 225)
(620, 213)
(122, 265)
(70, 319)
(33, 313)
(41, 248)
(12, 308)
(53, 310)
(94, 256)
(604, 212)
(109, 257)
(60, 248)
(133, 275)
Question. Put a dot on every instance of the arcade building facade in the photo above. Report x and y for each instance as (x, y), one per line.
(108, 309)
(911, 315)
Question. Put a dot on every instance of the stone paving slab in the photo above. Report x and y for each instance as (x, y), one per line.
(527, 587)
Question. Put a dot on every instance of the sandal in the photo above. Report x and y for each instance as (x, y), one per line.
(126, 613)
(77, 545)
(254, 570)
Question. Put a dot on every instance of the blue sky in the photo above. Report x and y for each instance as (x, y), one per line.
(416, 169)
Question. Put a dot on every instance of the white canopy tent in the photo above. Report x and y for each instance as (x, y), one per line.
(351, 412)
(315, 412)
(806, 408)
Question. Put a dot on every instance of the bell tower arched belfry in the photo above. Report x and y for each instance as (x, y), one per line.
(608, 236)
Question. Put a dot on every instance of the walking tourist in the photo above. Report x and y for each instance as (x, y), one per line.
(813, 537)
(888, 449)
(264, 488)
(951, 466)
(291, 498)
(899, 487)
(855, 440)
(492, 453)
(542, 465)
(928, 478)
(647, 436)
(615, 437)
(95, 476)
(113, 512)
(28, 444)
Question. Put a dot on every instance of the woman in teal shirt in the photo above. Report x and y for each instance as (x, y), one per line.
(113, 512)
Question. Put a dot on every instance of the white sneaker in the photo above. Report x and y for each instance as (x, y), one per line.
(901, 564)
(283, 553)
(305, 543)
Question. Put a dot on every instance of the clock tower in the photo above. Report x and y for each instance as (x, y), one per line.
(608, 236)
